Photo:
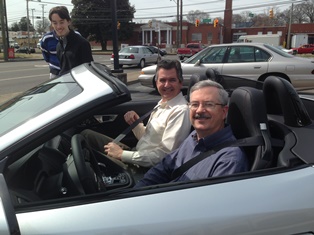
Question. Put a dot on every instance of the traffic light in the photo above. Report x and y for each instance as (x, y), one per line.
(118, 25)
(271, 13)
(197, 22)
(216, 21)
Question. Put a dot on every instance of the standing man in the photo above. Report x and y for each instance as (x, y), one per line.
(72, 49)
(208, 111)
(167, 126)
(48, 46)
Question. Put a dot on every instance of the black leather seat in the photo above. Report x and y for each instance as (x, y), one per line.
(282, 99)
(209, 74)
(248, 118)
(194, 79)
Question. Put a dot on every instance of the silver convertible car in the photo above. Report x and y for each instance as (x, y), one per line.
(255, 61)
(52, 182)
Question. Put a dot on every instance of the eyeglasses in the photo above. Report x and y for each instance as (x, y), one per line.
(208, 105)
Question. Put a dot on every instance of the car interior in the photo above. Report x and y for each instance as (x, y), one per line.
(268, 117)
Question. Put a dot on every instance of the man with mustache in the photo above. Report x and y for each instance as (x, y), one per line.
(208, 111)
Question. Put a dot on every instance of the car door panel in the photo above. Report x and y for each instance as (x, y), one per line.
(245, 70)
(113, 122)
(247, 206)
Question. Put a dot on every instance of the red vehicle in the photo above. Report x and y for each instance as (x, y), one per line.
(304, 49)
(189, 50)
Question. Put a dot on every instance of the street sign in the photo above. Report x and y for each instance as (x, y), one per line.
(207, 20)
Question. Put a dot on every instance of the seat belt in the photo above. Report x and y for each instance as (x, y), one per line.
(134, 124)
(250, 141)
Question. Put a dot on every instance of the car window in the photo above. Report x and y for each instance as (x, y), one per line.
(278, 51)
(147, 51)
(129, 50)
(261, 55)
(215, 55)
(34, 102)
(244, 54)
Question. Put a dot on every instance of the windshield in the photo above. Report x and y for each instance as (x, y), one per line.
(278, 51)
(36, 101)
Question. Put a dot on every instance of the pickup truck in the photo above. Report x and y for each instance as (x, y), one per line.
(304, 49)
(189, 50)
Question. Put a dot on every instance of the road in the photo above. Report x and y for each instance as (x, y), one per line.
(19, 76)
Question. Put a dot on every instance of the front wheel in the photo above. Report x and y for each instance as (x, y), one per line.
(142, 63)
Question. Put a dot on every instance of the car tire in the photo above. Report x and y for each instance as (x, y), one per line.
(142, 63)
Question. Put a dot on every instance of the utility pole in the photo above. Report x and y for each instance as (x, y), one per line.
(181, 18)
(289, 28)
(3, 29)
(33, 9)
(27, 22)
(43, 12)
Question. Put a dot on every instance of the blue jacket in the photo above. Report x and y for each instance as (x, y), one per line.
(226, 161)
(48, 46)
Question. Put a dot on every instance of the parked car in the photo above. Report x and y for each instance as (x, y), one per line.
(51, 180)
(189, 50)
(25, 50)
(157, 50)
(304, 49)
(254, 61)
(136, 55)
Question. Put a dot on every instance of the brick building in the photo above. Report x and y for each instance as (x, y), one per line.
(165, 34)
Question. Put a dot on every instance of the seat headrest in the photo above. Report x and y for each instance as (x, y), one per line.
(282, 98)
(214, 75)
(247, 111)
(193, 80)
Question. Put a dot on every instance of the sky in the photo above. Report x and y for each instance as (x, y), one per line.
(165, 10)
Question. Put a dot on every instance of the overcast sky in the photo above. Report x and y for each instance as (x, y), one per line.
(148, 9)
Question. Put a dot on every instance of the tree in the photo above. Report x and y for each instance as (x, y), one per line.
(42, 27)
(193, 15)
(308, 10)
(93, 20)
(299, 15)
(15, 27)
(23, 25)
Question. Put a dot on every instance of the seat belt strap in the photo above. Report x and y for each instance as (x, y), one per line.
(134, 124)
(250, 141)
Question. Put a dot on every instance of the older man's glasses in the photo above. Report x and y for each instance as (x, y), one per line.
(208, 105)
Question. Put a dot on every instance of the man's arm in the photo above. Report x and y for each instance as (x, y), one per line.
(44, 51)
(159, 174)
(177, 129)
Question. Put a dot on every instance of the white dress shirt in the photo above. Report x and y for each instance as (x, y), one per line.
(166, 129)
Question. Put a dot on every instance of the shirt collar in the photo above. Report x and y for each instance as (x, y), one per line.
(173, 102)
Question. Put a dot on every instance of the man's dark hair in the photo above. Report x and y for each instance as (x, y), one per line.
(170, 64)
(61, 11)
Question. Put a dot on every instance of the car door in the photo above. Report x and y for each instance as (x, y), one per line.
(273, 203)
(8, 220)
(246, 62)
(149, 56)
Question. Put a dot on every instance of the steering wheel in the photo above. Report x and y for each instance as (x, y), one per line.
(86, 165)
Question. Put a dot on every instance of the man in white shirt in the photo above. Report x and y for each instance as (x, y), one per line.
(166, 128)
